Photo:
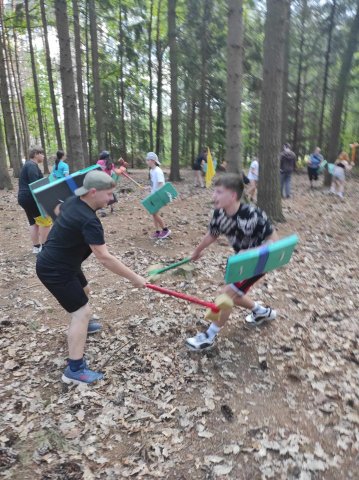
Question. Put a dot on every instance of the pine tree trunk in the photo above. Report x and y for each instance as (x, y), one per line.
(341, 89)
(5, 180)
(175, 172)
(121, 47)
(286, 78)
(205, 32)
(159, 56)
(36, 85)
(50, 77)
(89, 84)
(96, 77)
(14, 155)
(71, 119)
(326, 71)
(150, 88)
(234, 81)
(269, 197)
(80, 95)
(298, 92)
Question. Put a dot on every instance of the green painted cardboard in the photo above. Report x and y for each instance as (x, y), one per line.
(159, 199)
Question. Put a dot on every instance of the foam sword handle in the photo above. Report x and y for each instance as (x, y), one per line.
(169, 267)
(184, 296)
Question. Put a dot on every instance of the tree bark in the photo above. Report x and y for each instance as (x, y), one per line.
(79, 82)
(269, 196)
(150, 88)
(121, 47)
(71, 119)
(286, 77)
(175, 172)
(96, 77)
(88, 83)
(205, 33)
(50, 77)
(15, 158)
(341, 89)
(298, 92)
(326, 71)
(234, 84)
(5, 180)
(36, 85)
(159, 56)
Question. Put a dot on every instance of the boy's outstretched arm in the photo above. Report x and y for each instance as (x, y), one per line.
(206, 241)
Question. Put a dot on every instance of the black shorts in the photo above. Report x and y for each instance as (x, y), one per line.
(312, 173)
(67, 288)
(30, 207)
(196, 168)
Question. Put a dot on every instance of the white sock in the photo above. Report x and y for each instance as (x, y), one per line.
(212, 331)
(258, 308)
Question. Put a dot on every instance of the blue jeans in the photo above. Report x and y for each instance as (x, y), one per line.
(285, 184)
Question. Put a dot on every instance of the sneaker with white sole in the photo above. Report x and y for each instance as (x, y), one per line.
(255, 319)
(200, 342)
(84, 375)
(164, 234)
(36, 250)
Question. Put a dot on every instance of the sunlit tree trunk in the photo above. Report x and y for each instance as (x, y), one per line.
(5, 180)
(234, 80)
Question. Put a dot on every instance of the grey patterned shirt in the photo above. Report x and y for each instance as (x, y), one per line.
(248, 228)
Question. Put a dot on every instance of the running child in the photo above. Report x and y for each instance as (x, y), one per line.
(157, 181)
(61, 168)
(341, 166)
(245, 227)
(253, 175)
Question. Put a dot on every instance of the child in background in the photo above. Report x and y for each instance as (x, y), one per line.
(315, 160)
(252, 176)
(341, 166)
(157, 181)
(108, 167)
(245, 227)
(61, 168)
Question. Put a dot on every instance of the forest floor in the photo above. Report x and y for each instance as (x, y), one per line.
(281, 401)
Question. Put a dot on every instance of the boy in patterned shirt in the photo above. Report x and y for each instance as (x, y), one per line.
(245, 227)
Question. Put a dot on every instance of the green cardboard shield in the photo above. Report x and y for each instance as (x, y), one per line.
(159, 199)
(248, 264)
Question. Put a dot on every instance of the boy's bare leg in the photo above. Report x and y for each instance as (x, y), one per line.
(240, 301)
(77, 333)
(157, 220)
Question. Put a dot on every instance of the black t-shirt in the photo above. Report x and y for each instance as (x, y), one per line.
(249, 227)
(30, 172)
(68, 242)
(198, 162)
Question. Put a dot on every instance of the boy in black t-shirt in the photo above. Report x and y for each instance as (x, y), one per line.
(76, 234)
(245, 226)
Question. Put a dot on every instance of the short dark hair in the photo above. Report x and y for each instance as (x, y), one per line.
(35, 151)
(231, 181)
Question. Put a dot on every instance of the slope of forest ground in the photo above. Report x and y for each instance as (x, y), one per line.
(278, 402)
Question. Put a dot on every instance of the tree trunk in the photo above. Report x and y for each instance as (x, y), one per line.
(205, 33)
(50, 77)
(269, 195)
(71, 119)
(5, 180)
(96, 77)
(150, 99)
(80, 88)
(286, 78)
(15, 158)
(121, 47)
(159, 55)
(88, 83)
(326, 70)
(341, 89)
(298, 92)
(234, 81)
(36, 85)
(175, 172)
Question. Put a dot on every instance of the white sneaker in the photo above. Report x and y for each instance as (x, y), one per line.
(37, 250)
(255, 319)
(200, 342)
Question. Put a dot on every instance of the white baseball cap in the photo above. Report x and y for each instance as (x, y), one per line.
(153, 156)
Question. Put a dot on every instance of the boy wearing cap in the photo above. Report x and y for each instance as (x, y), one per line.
(76, 234)
(157, 180)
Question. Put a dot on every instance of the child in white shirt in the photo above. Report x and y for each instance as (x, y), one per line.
(157, 181)
(253, 179)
